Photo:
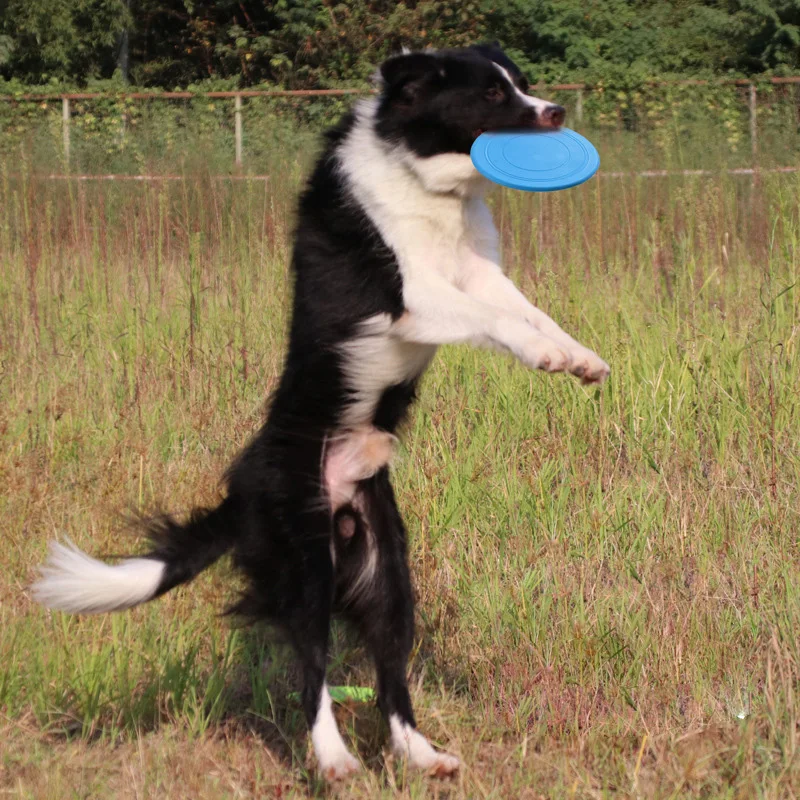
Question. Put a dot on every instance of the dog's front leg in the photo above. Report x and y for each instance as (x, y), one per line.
(485, 280)
(439, 313)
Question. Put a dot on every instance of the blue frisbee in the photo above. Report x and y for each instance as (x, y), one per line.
(535, 161)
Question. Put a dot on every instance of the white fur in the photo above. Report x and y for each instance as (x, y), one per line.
(482, 277)
(333, 757)
(409, 743)
(75, 582)
(446, 173)
(431, 212)
(535, 102)
(374, 361)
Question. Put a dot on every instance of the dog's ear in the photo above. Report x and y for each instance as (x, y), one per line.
(488, 49)
(405, 76)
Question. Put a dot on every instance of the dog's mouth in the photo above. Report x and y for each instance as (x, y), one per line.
(551, 119)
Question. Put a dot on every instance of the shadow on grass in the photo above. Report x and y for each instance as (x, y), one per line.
(264, 697)
(249, 689)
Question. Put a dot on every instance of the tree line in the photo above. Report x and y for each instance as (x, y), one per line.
(326, 43)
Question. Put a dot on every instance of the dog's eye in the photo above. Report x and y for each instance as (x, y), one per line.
(495, 95)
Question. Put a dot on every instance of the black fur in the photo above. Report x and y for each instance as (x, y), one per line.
(437, 102)
(274, 517)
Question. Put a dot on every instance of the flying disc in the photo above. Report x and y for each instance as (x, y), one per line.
(344, 694)
(535, 161)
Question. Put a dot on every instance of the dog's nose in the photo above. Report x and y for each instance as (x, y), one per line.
(553, 116)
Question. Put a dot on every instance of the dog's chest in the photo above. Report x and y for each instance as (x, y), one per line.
(440, 236)
(374, 362)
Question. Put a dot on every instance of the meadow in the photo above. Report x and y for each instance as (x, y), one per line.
(608, 580)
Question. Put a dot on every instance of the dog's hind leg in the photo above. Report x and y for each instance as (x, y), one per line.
(308, 623)
(384, 614)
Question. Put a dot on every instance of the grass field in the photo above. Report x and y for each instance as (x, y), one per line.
(608, 580)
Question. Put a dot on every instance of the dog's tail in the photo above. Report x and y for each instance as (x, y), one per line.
(75, 582)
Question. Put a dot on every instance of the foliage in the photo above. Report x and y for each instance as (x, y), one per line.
(319, 43)
(61, 39)
(646, 38)
(295, 43)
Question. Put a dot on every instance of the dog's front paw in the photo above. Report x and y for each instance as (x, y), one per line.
(588, 366)
(541, 352)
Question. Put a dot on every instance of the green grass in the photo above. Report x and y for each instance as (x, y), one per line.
(608, 579)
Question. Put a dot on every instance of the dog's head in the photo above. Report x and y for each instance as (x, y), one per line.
(438, 102)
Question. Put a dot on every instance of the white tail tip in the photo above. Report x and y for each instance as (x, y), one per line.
(75, 582)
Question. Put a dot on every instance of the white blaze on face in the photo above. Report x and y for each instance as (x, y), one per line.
(538, 104)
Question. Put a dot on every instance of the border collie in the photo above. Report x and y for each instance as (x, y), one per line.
(395, 253)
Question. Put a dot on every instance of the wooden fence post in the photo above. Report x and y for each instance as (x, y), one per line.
(753, 124)
(579, 106)
(123, 121)
(65, 127)
(237, 120)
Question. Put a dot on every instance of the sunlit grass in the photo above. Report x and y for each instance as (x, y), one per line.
(607, 580)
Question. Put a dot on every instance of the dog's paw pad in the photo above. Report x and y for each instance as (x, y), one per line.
(589, 367)
(554, 360)
(596, 375)
(579, 369)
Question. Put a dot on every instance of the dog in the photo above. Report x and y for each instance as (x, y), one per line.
(395, 253)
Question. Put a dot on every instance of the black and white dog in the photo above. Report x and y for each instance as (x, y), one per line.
(395, 253)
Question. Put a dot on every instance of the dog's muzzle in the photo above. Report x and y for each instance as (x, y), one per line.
(551, 117)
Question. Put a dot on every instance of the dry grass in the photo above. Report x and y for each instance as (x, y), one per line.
(607, 580)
